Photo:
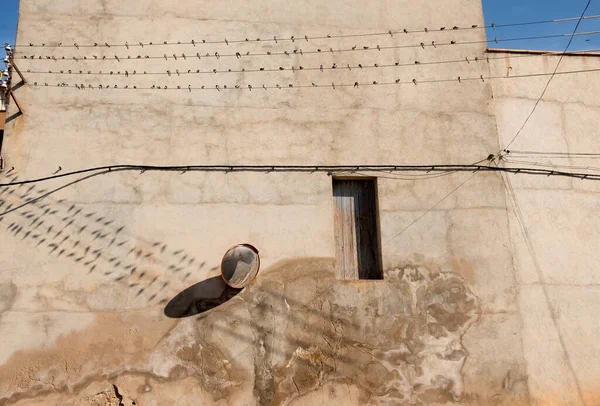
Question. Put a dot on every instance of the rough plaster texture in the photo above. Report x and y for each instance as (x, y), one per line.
(87, 271)
(556, 263)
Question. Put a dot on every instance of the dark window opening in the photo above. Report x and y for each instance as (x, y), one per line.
(356, 221)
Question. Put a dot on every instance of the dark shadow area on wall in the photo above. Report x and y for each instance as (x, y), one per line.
(200, 298)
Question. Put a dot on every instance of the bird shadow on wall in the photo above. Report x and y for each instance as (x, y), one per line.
(94, 242)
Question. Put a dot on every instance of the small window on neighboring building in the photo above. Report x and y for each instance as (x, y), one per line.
(356, 221)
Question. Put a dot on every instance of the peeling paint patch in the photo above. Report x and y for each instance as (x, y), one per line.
(295, 334)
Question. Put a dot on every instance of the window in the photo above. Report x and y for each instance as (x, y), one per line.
(356, 229)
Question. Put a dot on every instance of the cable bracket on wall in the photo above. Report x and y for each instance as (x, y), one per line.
(6, 85)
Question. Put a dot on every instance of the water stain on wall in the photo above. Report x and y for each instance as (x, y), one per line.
(291, 334)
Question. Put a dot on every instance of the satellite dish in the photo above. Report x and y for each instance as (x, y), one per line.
(240, 265)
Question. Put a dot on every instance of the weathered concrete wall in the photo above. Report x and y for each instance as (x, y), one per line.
(558, 290)
(86, 273)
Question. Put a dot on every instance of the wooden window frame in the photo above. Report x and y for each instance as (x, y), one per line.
(360, 274)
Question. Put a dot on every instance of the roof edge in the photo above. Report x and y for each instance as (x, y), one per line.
(540, 52)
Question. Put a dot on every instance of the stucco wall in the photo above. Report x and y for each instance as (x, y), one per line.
(558, 290)
(443, 326)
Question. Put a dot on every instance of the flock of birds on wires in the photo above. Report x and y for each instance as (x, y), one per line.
(284, 58)
(346, 60)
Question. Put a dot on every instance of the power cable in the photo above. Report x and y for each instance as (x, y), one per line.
(294, 69)
(278, 38)
(48, 193)
(308, 169)
(93, 172)
(549, 154)
(294, 52)
(534, 257)
(431, 208)
(408, 177)
(550, 165)
(313, 85)
(551, 77)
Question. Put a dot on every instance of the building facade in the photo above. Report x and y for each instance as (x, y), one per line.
(268, 124)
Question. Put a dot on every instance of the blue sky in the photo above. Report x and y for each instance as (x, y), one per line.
(508, 11)
(496, 11)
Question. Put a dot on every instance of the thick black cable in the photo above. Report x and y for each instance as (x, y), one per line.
(48, 193)
(305, 38)
(551, 77)
(92, 172)
(309, 169)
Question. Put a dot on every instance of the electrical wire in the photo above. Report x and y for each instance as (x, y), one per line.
(48, 193)
(295, 52)
(542, 280)
(277, 39)
(551, 77)
(407, 177)
(430, 209)
(549, 154)
(550, 165)
(294, 69)
(309, 169)
(313, 85)
(44, 194)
